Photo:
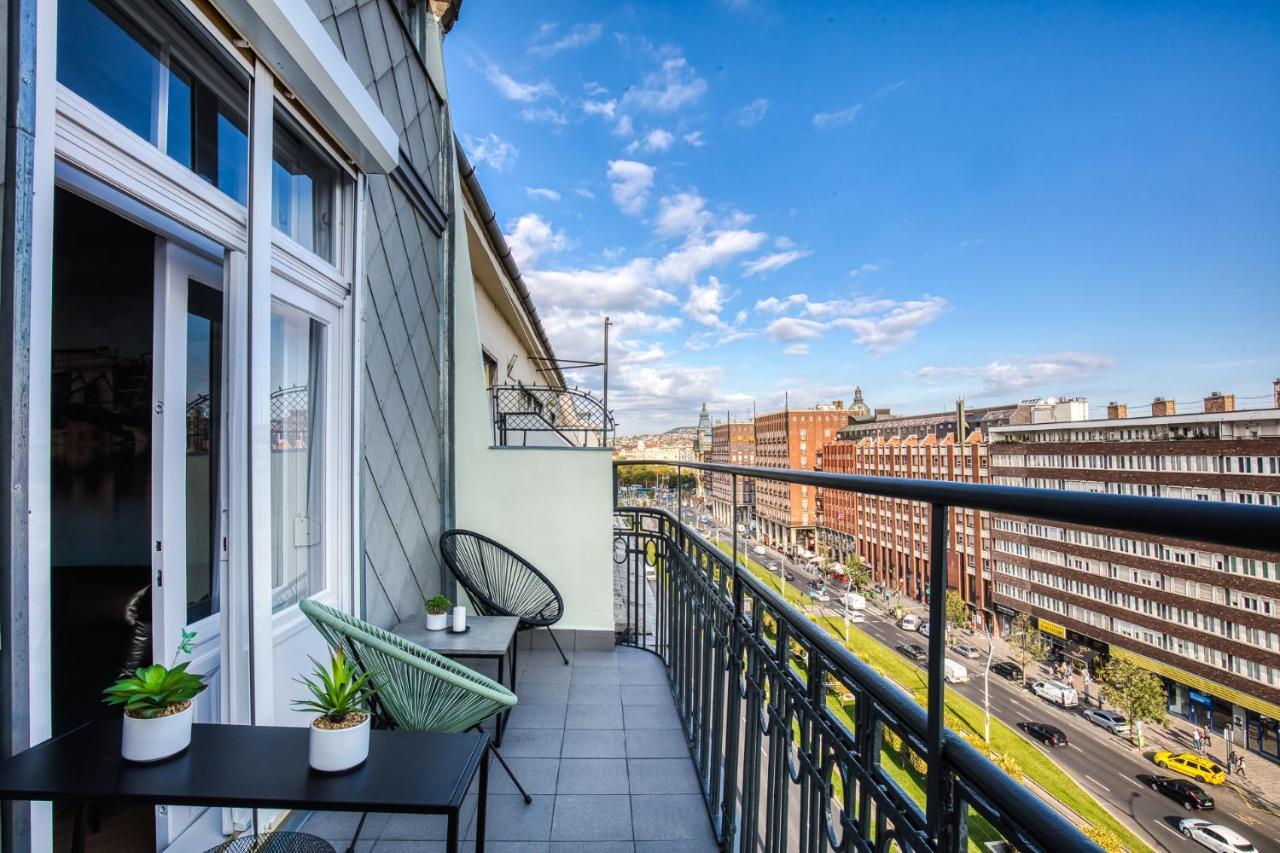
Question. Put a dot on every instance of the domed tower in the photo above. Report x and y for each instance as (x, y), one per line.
(702, 440)
(858, 409)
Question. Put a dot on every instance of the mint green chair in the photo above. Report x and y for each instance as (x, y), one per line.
(415, 688)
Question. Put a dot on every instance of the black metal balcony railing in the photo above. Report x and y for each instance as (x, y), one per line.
(540, 415)
(788, 729)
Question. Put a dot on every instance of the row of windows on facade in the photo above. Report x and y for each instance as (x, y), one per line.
(1200, 464)
(1148, 490)
(1237, 664)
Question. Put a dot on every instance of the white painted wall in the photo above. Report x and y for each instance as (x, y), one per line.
(497, 336)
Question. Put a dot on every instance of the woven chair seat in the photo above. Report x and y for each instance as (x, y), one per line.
(275, 842)
(499, 581)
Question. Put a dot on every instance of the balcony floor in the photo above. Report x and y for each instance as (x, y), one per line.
(596, 743)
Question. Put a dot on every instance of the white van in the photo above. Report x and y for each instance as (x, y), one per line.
(910, 622)
(1055, 691)
(759, 550)
(954, 672)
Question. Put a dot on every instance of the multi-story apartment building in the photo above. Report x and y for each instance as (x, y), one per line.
(1207, 621)
(786, 513)
(892, 536)
(732, 444)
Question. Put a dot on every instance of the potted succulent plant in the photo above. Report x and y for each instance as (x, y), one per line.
(438, 612)
(340, 734)
(158, 707)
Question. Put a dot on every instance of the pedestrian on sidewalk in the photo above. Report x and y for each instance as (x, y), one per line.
(1240, 767)
(1208, 737)
(1197, 739)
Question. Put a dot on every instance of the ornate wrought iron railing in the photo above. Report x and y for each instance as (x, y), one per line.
(541, 415)
(800, 745)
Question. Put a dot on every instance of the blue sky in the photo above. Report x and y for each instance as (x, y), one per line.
(990, 200)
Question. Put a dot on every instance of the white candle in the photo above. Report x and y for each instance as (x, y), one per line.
(459, 618)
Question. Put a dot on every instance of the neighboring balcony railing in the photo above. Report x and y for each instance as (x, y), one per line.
(543, 416)
(787, 728)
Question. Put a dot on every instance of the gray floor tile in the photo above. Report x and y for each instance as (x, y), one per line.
(662, 776)
(646, 694)
(510, 818)
(650, 717)
(543, 694)
(596, 675)
(657, 743)
(594, 743)
(340, 825)
(531, 743)
(643, 675)
(594, 694)
(592, 776)
(592, 818)
(416, 827)
(538, 775)
(707, 846)
(543, 657)
(531, 716)
(604, 641)
(591, 847)
(594, 717)
(595, 658)
(544, 673)
(407, 846)
(517, 846)
(662, 817)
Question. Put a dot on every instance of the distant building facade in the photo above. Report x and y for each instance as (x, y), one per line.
(732, 444)
(787, 513)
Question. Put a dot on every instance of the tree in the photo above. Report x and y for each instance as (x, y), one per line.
(1138, 694)
(957, 609)
(1027, 642)
(859, 575)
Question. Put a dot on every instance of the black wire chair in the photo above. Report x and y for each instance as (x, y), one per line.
(502, 583)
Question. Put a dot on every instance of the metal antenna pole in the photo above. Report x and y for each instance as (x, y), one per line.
(605, 392)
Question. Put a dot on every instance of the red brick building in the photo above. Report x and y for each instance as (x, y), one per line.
(732, 444)
(787, 513)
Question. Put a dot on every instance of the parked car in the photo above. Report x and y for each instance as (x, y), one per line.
(1109, 720)
(773, 567)
(954, 672)
(915, 651)
(924, 628)
(966, 650)
(789, 575)
(1187, 794)
(1215, 836)
(819, 594)
(1045, 733)
(910, 622)
(1056, 692)
(1007, 669)
(1190, 764)
(759, 549)
(814, 584)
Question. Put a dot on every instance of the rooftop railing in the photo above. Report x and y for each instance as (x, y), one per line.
(547, 416)
(790, 732)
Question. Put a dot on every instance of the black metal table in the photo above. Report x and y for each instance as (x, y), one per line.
(258, 767)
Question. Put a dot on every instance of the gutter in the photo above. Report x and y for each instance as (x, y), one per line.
(494, 233)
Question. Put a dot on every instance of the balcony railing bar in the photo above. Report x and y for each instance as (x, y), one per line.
(576, 416)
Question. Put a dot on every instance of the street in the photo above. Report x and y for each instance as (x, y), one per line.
(1106, 765)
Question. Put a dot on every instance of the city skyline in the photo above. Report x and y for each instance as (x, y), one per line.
(1052, 202)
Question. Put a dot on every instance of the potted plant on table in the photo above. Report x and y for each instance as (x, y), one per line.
(158, 707)
(340, 734)
(438, 612)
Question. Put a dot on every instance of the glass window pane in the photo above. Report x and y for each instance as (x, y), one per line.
(297, 456)
(103, 60)
(207, 134)
(179, 123)
(204, 410)
(303, 182)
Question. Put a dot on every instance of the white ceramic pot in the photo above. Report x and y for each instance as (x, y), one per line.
(158, 737)
(334, 750)
(437, 621)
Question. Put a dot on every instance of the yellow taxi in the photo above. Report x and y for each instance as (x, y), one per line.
(1190, 764)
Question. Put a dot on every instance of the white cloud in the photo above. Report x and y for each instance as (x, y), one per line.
(630, 185)
(776, 261)
(655, 140)
(796, 349)
(752, 113)
(585, 193)
(543, 192)
(629, 286)
(579, 35)
(694, 139)
(848, 308)
(794, 329)
(740, 317)
(491, 149)
(604, 109)
(674, 85)
(1020, 373)
(705, 302)
(687, 262)
(545, 115)
(716, 338)
(514, 90)
(654, 352)
(863, 269)
(624, 126)
(681, 215)
(594, 89)
(895, 327)
(836, 117)
(531, 237)
(774, 305)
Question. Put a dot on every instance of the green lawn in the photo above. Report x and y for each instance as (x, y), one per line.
(1004, 740)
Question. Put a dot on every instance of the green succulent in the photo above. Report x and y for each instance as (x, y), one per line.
(336, 690)
(153, 690)
(438, 604)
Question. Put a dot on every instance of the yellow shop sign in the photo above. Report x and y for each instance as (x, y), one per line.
(1052, 628)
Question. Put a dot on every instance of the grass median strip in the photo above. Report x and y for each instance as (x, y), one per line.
(1004, 740)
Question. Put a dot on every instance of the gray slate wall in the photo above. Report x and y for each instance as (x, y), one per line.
(404, 293)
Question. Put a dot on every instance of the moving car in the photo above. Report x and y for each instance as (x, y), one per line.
(789, 575)
(966, 650)
(1056, 692)
(924, 628)
(1188, 794)
(1190, 764)
(773, 567)
(819, 594)
(915, 651)
(1215, 836)
(910, 622)
(1109, 720)
(759, 549)
(1007, 669)
(954, 672)
(1045, 733)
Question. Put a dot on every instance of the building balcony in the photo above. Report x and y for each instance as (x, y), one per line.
(548, 416)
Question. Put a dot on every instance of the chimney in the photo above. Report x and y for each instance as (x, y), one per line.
(838, 405)
(1275, 393)
(1162, 408)
(1117, 411)
(1217, 402)
(884, 412)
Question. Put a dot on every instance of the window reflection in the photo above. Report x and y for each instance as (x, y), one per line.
(303, 184)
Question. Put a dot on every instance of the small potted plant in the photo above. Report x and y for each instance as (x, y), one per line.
(158, 707)
(340, 734)
(438, 612)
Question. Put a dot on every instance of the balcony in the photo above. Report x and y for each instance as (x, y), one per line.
(547, 416)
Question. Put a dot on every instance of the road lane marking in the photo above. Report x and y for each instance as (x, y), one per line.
(1076, 748)
(1096, 782)
(1159, 822)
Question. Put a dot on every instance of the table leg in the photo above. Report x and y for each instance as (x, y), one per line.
(483, 799)
(451, 844)
(78, 828)
(502, 718)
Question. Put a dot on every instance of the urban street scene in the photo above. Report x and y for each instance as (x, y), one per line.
(639, 427)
